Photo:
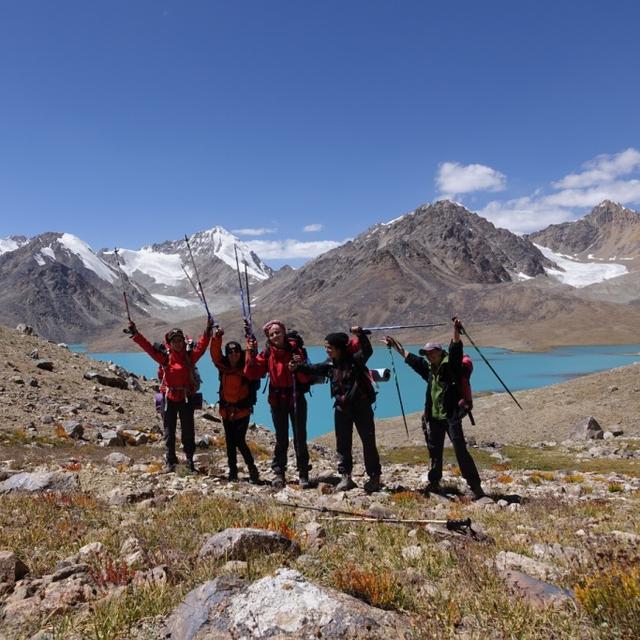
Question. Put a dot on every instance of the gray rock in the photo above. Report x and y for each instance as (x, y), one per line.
(110, 439)
(239, 543)
(11, 568)
(45, 365)
(587, 429)
(73, 429)
(510, 560)
(106, 380)
(285, 605)
(117, 459)
(41, 481)
(26, 329)
(537, 593)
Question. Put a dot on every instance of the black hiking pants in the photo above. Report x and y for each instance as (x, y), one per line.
(185, 411)
(435, 433)
(360, 414)
(281, 416)
(235, 433)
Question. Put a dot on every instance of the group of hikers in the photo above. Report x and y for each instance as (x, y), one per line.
(284, 360)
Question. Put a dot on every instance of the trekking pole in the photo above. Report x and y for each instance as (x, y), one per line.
(246, 280)
(124, 290)
(195, 270)
(395, 377)
(404, 326)
(463, 331)
(244, 310)
(451, 525)
(193, 284)
(355, 516)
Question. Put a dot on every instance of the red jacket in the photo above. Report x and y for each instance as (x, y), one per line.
(177, 382)
(275, 362)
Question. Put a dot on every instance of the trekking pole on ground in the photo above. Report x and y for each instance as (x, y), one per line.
(354, 516)
(124, 290)
(451, 525)
(395, 377)
(463, 331)
(195, 271)
(403, 326)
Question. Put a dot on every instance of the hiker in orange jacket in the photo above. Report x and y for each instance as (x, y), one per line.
(237, 397)
(179, 385)
(286, 397)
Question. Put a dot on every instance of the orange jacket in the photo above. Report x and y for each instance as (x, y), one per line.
(234, 385)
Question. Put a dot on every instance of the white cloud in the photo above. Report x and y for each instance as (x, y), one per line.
(285, 249)
(253, 232)
(310, 228)
(602, 169)
(454, 178)
(601, 180)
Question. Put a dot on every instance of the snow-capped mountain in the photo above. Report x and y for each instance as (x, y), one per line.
(67, 291)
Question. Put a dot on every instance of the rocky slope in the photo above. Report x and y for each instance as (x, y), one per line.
(140, 554)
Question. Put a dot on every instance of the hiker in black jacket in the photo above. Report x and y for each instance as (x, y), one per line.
(353, 394)
(443, 410)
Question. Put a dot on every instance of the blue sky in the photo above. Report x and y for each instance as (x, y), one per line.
(132, 122)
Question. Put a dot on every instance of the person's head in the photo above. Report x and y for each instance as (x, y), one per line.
(275, 332)
(335, 344)
(433, 352)
(234, 353)
(175, 339)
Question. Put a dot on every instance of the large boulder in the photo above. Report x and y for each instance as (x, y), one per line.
(284, 605)
(587, 429)
(11, 568)
(40, 481)
(239, 543)
(106, 380)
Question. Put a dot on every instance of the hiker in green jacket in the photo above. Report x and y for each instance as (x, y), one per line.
(444, 405)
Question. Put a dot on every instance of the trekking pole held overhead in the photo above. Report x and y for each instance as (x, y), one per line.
(395, 377)
(244, 309)
(246, 281)
(193, 284)
(195, 270)
(124, 290)
(403, 326)
(463, 331)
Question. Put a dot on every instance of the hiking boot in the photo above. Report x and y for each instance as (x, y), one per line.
(169, 467)
(433, 487)
(254, 475)
(346, 483)
(191, 466)
(232, 476)
(373, 484)
(304, 481)
(478, 492)
(278, 481)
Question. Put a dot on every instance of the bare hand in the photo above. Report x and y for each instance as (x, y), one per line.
(219, 332)
(356, 330)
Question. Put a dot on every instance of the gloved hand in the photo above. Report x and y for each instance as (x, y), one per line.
(131, 329)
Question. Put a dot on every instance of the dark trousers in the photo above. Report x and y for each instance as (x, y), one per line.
(362, 416)
(235, 432)
(435, 433)
(172, 410)
(281, 416)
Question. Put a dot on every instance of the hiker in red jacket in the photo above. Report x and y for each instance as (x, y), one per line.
(444, 405)
(286, 398)
(179, 385)
(237, 397)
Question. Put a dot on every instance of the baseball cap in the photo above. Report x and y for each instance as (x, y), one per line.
(430, 346)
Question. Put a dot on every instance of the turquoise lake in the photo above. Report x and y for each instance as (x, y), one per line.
(518, 370)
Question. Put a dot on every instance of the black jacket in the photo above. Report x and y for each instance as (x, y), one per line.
(448, 374)
(349, 377)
